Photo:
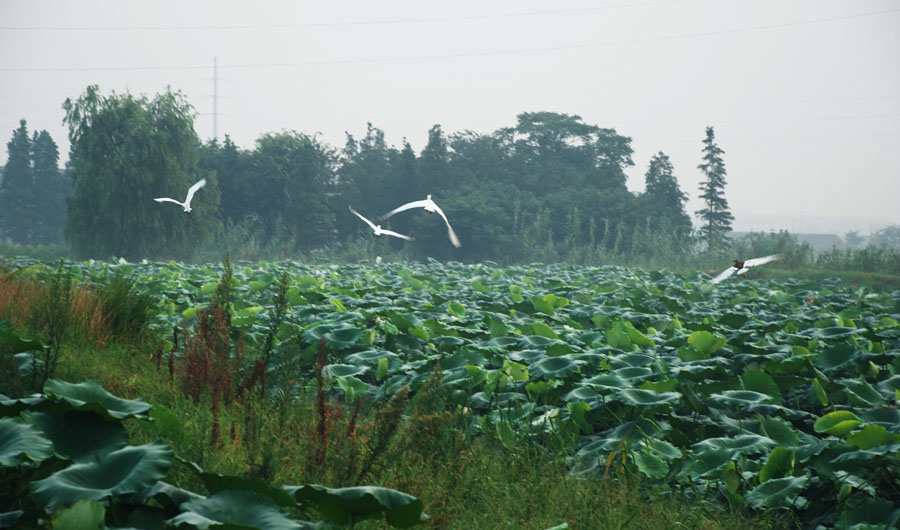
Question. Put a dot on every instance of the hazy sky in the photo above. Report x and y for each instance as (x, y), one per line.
(804, 95)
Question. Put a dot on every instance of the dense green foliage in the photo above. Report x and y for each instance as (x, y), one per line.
(33, 191)
(126, 151)
(762, 394)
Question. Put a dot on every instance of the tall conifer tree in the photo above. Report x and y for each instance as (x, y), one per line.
(17, 188)
(715, 214)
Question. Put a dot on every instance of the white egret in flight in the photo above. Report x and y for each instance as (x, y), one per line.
(377, 228)
(429, 206)
(190, 195)
(741, 267)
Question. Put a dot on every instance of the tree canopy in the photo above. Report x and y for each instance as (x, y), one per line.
(126, 151)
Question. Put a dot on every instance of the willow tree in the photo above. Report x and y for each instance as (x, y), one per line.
(125, 151)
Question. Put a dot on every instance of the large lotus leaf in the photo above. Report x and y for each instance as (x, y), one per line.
(344, 370)
(215, 483)
(708, 463)
(234, 510)
(761, 382)
(631, 359)
(661, 448)
(834, 333)
(89, 395)
(19, 440)
(780, 463)
(79, 435)
(345, 505)
(741, 398)
(868, 512)
(343, 337)
(742, 443)
(633, 372)
(884, 416)
(778, 492)
(11, 342)
(650, 464)
(889, 386)
(705, 342)
(837, 423)
(607, 382)
(836, 356)
(779, 430)
(553, 368)
(85, 514)
(128, 470)
(646, 398)
(862, 394)
(9, 519)
(869, 436)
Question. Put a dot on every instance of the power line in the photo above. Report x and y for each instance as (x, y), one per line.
(345, 23)
(460, 55)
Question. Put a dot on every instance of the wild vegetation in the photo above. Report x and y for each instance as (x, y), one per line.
(769, 398)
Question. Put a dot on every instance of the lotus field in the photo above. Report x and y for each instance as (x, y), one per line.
(760, 394)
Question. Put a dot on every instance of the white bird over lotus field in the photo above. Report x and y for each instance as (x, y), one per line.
(377, 228)
(741, 267)
(429, 206)
(190, 195)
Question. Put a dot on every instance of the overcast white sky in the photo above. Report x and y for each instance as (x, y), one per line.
(804, 95)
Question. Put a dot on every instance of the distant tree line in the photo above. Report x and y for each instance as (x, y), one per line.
(550, 188)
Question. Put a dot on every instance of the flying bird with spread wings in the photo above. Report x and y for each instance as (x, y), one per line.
(429, 206)
(190, 195)
(377, 228)
(741, 267)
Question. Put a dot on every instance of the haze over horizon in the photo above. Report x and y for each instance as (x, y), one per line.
(804, 96)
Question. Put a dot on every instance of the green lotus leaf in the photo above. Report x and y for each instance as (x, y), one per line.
(761, 382)
(89, 395)
(869, 436)
(11, 342)
(344, 370)
(779, 464)
(542, 306)
(127, 470)
(779, 430)
(343, 505)
(84, 514)
(9, 519)
(834, 333)
(889, 386)
(650, 465)
(553, 368)
(646, 398)
(742, 443)
(870, 513)
(234, 510)
(607, 382)
(216, 483)
(705, 342)
(741, 398)
(778, 492)
(19, 441)
(836, 357)
(708, 462)
(862, 394)
(577, 411)
(343, 337)
(79, 435)
(837, 423)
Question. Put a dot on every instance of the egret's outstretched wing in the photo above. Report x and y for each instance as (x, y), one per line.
(370, 223)
(166, 199)
(450, 232)
(407, 206)
(724, 274)
(199, 184)
(760, 261)
(395, 234)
